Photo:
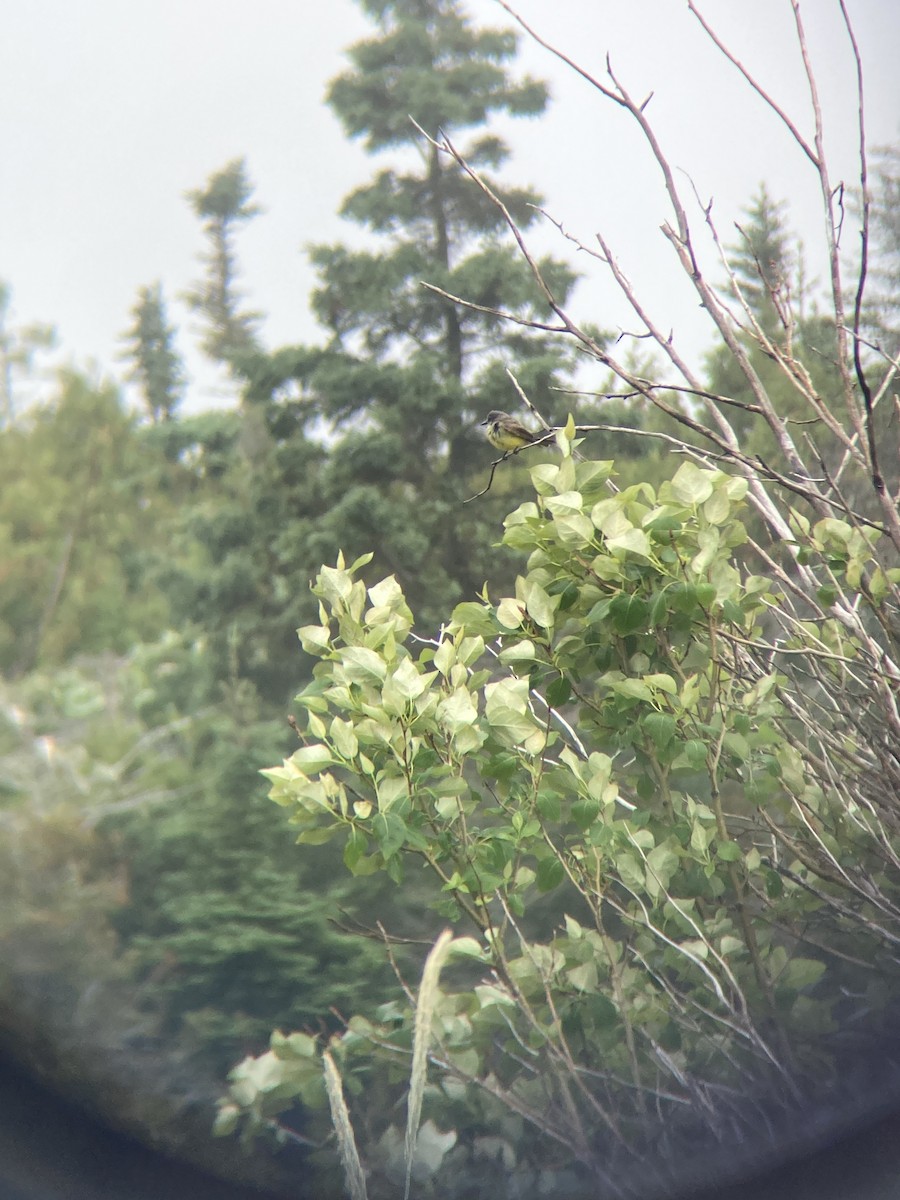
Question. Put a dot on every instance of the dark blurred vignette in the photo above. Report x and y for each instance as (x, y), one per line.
(52, 1150)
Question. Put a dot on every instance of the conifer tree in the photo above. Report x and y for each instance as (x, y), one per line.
(409, 374)
(223, 205)
(156, 365)
(769, 287)
(373, 440)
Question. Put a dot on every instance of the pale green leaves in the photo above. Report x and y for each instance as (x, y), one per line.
(689, 485)
(588, 750)
(573, 527)
(389, 612)
(540, 606)
(531, 601)
(315, 639)
(508, 712)
(404, 686)
(611, 518)
(510, 612)
(457, 715)
(359, 664)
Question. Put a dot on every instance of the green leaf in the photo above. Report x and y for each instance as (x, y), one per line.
(335, 585)
(728, 851)
(661, 728)
(226, 1120)
(631, 871)
(508, 714)
(468, 947)
(386, 594)
(801, 973)
(717, 507)
(315, 639)
(662, 863)
(550, 874)
(548, 805)
(389, 831)
(558, 692)
(457, 711)
(585, 812)
(583, 977)
(662, 683)
(633, 689)
(628, 613)
(683, 598)
(311, 759)
(362, 665)
(730, 945)
(574, 530)
(510, 612)
(774, 884)
(701, 836)
(601, 1010)
(691, 485)
(541, 607)
(409, 681)
(634, 541)
(568, 594)
(344, 738)
(475, 619)
(658, 610)
(566, 503)
(319, 835)
(354, 849)
(663, 521)
(517, 652)
(295, 1045)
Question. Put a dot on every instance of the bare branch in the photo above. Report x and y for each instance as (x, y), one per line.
(760, 91)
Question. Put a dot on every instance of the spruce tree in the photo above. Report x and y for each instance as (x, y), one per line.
(786, 339)
(223, 205)
(371, 442)
(408, 374)
(156, 365)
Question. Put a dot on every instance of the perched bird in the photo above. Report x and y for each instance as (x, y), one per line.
(506, 433)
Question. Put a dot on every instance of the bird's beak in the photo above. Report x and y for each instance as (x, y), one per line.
(484, 422)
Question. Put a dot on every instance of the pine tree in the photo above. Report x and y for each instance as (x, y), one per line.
(767, 260)
(156, 364)
(371, 443)
(223, 205)
(781, 326)
(409, 374)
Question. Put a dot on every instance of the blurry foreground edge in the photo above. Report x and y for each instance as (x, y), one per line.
(51, 1150)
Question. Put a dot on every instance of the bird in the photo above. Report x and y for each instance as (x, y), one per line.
(506, 433)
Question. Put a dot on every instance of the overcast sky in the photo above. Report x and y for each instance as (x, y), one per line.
(110, 112)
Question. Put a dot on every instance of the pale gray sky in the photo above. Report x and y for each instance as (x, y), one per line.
(111, 111)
